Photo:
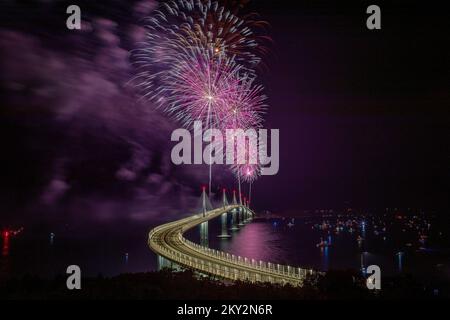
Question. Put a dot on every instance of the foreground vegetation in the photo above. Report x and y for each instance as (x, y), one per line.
(166, 285)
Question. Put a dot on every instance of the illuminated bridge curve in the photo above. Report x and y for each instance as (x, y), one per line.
(167, 241)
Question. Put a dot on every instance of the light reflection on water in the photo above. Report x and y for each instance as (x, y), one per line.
(124, 249)
(324, 255)
(297, 245)
(5, 245)
(271, 241)
(254, 241)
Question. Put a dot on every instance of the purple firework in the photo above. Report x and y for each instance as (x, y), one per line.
(200, 87)
(246, 105)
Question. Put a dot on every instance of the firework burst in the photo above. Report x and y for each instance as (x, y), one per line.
(200, 88)
(247, 172)
(249, 169)
(181, 28)
(198, 64)
(209, 25)
(246, 105)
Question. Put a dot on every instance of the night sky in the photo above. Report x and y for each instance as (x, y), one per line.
(363, 115)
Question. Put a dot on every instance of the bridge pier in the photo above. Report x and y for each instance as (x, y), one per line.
(234, 221)
(223, 221)
(161, 262)
(204, 240)
(164, 263)
(241, 219)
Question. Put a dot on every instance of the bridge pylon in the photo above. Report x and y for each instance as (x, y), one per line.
(241, 212)
(224, 217)
(204, 201)
(249, 212)
(234, 221)
(246, 217)
(224, 198)
(204, 239)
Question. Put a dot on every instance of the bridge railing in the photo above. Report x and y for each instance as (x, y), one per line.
(217, 268)
(187, 219)
(212, 268)
(259, 270)
(263, 266)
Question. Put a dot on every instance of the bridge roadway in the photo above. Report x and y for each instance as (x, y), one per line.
(167, 241)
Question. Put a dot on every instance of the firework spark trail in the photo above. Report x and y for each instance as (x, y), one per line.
(200, 88)
(215, 91)
(203, 88)
(247, 167)
(180, 26)
(185, 35)
(197, 64)
(249, 173)
(211, 26)
(246, 106)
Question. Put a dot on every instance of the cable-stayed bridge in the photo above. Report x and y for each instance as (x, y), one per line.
(167, 241)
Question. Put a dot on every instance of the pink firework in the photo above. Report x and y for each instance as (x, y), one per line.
(246, 105)
(179, 27)
(243, 112)
(250, 170)
(200, 87)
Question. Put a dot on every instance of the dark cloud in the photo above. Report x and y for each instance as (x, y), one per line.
(95, 150)
(363, 117)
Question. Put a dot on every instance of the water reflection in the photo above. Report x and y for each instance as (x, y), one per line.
(234, 222)
(5, 245)
(400, 261)
(204, 238)
(324, 255)
(224, 224)
(52, 238)
(255, 241)
(5, 259)
(281, 242)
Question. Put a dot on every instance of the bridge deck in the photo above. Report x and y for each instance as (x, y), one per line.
(167, 240)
